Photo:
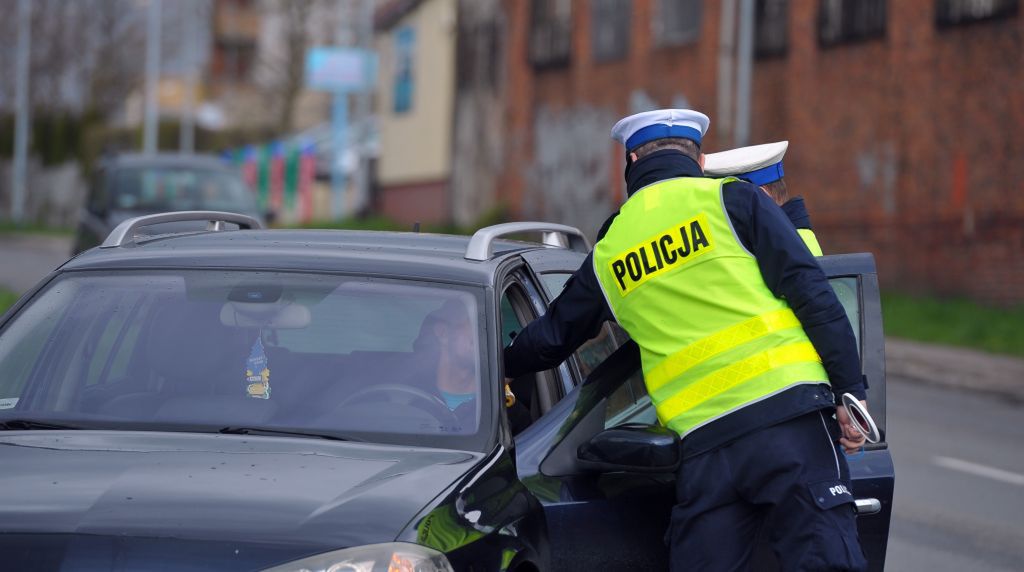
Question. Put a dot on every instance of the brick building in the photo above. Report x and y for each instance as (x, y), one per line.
(902, 117)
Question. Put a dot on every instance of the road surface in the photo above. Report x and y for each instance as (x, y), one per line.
(25, 259)
(959, 502)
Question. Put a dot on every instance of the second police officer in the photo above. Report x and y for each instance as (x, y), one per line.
(744, 348)
(762, 166)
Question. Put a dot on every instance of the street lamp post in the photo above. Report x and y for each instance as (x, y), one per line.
(152, 77)
(21, 133)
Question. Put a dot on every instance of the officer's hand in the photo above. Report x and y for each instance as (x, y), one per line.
(852, 439)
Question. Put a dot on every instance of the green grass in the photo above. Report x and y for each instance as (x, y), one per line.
(7, 298)
(8, 227)
(955, 322)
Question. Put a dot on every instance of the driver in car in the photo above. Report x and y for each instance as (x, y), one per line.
(447, 342)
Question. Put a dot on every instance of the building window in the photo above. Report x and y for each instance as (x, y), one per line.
(676, 22)
(956, 12)
(404, 86)
(847, 21)
(772, 28)
(479, 54)
(550, 33)
(609, 29)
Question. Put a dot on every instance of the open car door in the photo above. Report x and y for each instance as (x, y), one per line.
(604, 470)
(855, 281)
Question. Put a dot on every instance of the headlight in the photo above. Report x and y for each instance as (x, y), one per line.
(390, 557)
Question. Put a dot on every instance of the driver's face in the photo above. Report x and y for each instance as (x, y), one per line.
(459, 335)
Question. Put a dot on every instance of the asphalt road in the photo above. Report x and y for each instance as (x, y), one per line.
(959, 456)
(959, 501)
(25, 259)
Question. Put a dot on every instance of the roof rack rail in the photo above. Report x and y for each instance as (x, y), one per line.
(125, 232)
(479, 247)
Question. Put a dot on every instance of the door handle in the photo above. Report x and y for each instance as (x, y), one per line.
(867, 506)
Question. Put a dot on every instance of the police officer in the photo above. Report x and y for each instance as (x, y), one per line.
(762, 166)
(744, 348)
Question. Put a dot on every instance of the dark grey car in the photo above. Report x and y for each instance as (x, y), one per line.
(131, 185)
(251, 399)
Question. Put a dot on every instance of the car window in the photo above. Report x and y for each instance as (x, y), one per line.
(510, 321)
(597, 349)
(20, 355)
(847, 291)
(114, 341)
(357, 319)
(178, 188)
(630, 403)
(535, 394)
(394, 361)
(554, 282)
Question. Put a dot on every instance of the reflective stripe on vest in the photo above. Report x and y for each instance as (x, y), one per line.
(713, 339)
(810, 240)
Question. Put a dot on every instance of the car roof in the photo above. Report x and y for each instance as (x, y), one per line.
(396, 254)
(179, 160)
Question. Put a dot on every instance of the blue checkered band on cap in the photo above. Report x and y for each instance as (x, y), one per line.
(644, 127)
(652, 132)
(765, 175)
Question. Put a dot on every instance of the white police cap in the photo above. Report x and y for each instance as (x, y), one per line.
(635, 130)
(759, 164)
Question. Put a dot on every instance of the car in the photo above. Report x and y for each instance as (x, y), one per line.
(248, 399)
(133, 184)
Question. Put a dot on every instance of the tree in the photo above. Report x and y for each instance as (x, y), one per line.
(284, 69)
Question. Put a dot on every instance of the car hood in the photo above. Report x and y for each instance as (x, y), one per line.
(321, 495)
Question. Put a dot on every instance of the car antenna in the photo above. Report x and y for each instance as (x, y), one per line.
(416, 226)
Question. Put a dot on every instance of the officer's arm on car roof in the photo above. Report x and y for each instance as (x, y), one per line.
(790, 271)
(574, 317)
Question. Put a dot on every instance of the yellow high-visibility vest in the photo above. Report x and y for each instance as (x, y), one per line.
(810, 240)
(713, 338)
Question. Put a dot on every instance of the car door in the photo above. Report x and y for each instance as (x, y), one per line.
(611, 521)
(617, 519)
(855, 281)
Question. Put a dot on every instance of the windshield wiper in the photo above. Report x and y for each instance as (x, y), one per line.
(230, 430)
(25, 424)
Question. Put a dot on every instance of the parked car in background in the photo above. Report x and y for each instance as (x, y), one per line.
(333, 400)
(131, 185)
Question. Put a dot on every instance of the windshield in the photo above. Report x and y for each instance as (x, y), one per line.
(371, 359)
(179, 188)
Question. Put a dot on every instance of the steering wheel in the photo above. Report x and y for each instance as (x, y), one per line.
(436, 408)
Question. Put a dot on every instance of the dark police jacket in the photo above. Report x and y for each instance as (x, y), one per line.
(796, 212)
(789, 271)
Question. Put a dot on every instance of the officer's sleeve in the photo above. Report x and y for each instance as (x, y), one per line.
(791, 272)
(574, 317)
(796, 211)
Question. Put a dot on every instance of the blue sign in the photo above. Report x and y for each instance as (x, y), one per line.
(404, 86)
(341, 70)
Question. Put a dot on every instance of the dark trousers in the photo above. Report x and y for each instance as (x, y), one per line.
(789, 482)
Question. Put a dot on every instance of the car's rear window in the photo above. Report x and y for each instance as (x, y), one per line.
(385, 360)
(179, 188)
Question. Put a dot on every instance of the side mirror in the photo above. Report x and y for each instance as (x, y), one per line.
(634, 448)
